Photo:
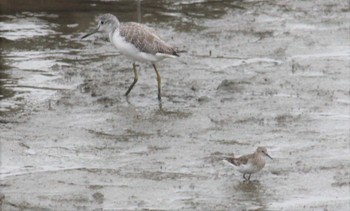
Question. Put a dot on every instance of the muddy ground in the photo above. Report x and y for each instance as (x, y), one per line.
(257, 73)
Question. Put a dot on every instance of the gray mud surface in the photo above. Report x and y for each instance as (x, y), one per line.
(257, 73)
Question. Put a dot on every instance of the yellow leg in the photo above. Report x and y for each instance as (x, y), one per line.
(159, 80)
(135, 79)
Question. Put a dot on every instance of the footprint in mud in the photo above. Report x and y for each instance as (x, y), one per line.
(249, 186)
(98, 197)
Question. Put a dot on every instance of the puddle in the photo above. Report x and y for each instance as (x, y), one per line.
(24, 28)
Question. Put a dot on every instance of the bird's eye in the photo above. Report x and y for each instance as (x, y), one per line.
(102, 22)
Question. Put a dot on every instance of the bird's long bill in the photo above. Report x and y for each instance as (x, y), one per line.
(268, 156)
(90, 33)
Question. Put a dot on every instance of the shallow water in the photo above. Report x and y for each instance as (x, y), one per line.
(256, 73)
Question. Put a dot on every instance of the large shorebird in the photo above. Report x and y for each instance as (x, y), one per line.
(136, 41)
(251, 163)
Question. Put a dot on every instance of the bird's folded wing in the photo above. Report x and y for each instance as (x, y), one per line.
(145, 39)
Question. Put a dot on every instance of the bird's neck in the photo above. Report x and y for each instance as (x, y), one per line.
(112, 32)
(259, 156)
(114, 28)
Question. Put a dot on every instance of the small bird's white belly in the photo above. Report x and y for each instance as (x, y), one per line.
(248, 168)
(130, 50)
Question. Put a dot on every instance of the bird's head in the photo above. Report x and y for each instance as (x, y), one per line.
(107, 23)
(263, 151)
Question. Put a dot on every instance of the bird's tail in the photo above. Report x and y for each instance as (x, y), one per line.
(231, 160)
(177, 51)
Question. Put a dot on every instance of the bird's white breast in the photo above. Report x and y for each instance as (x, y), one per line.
(248, 168)
(130, 50)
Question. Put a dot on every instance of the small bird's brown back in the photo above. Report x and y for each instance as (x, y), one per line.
(238, 161)
(242, 160)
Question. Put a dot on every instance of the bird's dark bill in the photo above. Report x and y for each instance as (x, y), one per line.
(90, 33)
(268, 156)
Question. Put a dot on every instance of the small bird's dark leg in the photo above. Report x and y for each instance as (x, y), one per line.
(159, 82)
(244, 177)
(135, 79)
(249, 177)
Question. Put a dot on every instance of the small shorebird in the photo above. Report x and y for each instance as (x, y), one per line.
(136, 41)
(251, 163)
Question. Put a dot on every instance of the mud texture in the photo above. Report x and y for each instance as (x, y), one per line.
(256, 73)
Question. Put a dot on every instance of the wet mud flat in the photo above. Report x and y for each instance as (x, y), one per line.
(272, 74)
